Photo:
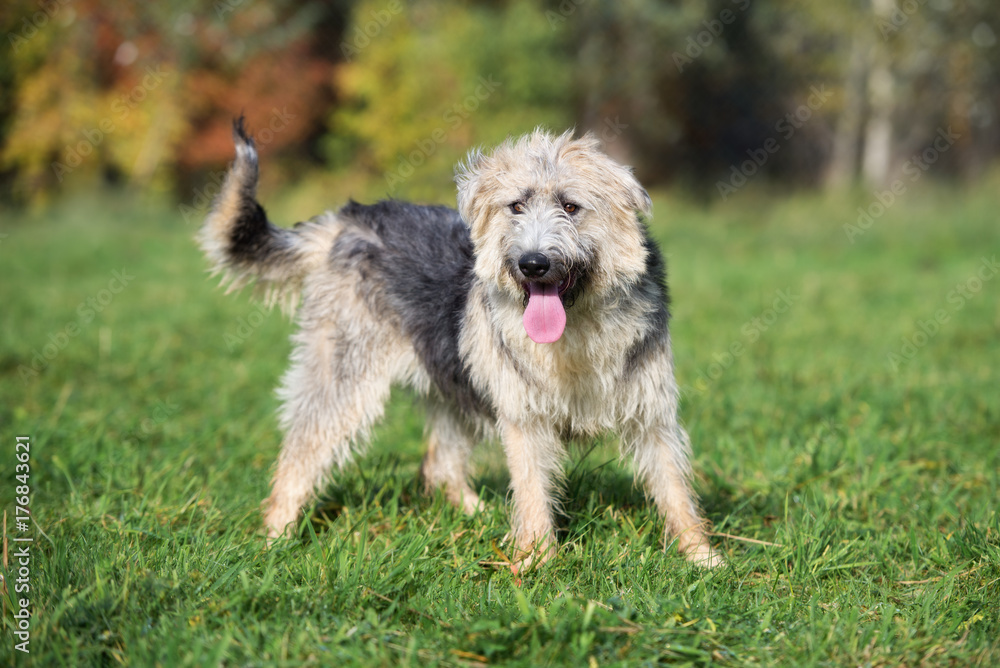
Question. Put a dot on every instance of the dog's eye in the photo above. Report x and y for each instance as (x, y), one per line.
(569, 207)
(517, 207)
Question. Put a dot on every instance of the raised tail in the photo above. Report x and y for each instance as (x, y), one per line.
(245, 246)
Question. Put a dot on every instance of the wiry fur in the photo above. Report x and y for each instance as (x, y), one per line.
(434, 298)
(246, 247)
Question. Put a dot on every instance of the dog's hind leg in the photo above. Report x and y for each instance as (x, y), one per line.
(343, 364)
(449, 444)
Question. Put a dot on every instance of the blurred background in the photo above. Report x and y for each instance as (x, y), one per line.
(381, 97)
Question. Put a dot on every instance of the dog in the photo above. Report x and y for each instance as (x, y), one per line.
(536, 312)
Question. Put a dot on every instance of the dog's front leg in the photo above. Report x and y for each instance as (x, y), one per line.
(661, 457)
(534, 454)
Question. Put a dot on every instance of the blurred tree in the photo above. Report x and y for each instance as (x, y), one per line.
(147, 91)
(425, 81)
(707, 94)
(702, 87)
(906, 71)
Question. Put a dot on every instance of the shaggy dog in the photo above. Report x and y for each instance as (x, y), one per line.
(536, 312)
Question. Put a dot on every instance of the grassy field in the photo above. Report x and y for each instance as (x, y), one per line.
(843, 398)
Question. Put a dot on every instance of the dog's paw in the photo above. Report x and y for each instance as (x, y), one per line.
(696, 549)
(280, 520)
(468, 501)
(705, 557)
(533, 556)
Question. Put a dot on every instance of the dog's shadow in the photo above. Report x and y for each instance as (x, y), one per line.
(594, 480)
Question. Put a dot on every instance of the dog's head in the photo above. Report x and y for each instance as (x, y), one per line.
(553, 219)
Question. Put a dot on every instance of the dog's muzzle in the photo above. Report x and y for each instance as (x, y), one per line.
(544, 314)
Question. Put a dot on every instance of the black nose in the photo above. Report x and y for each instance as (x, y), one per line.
(533, 265)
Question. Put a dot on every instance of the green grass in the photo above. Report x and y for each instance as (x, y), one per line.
(873, 489)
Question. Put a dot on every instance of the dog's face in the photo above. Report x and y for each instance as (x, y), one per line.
(553, 220)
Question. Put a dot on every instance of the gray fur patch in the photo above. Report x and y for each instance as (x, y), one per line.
(652, 288)
(423, 265)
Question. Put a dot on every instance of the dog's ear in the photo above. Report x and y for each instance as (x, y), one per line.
(633, 196)
(615, 175)
(636, 196)
(467, 177)
(640, 199)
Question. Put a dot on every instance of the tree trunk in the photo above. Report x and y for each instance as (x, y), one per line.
(881, 102)
(844, 162)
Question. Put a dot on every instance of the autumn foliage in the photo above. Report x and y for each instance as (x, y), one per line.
(394, 92)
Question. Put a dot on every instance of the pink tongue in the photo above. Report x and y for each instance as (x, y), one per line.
(544, 318)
